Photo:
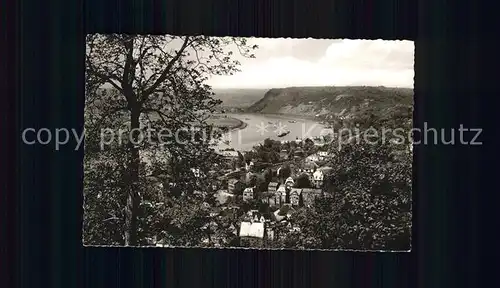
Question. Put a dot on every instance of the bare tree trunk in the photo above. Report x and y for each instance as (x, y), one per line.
(132, 206)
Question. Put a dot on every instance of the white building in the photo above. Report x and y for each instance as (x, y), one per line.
(282, 193)
(248, 194)
(289, 182)
(249, 166)
(323, 154)
(318, 175)
(309, 167)
(196, 172)
(313, 158)
(229, 154)
(252, 230)
(318, 178)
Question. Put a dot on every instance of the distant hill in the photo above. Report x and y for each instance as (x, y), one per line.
(311, 101)
(239, 98)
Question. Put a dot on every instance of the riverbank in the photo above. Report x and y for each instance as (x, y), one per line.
(283, 116)
(230, 123)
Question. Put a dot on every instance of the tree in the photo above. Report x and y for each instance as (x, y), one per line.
(268, 175)
(285, 171)
(308, 145)
(375, 187)
(371, 207)
(157, 82)
(251, 179)
(303, 181)
(261, 182)
(241, 159)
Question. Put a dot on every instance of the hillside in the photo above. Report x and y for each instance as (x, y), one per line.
(311, 101)
(239, 98)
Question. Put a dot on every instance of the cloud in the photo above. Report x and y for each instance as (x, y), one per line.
(311, 62)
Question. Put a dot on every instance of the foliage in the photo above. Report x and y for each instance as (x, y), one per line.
(371, 207)
(367, 204)
(285, 171)
(303, 181)
(156, 82)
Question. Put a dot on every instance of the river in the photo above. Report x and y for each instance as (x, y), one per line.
(258, 128)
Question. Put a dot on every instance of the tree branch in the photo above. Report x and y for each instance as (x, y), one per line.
(110, 113)
(165, 72)
(105, 78)
(129, 68)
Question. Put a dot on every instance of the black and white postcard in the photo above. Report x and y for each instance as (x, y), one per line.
(256, 143)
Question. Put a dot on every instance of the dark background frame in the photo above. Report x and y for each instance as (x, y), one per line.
(40, 214)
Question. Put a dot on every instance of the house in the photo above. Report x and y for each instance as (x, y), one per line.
(275, 199)
(313, 158)
(251, 213)
(248, 194)
(196, 172)
(299, 152)
(249, 166)
(252, 233)
(323, 154)
(289, 182)
(229, 155)
(254, 216)
(214, 186)
(309, 195)
(267, 197)
(282, 192)
(283, 154)
(234, 186)
(295, 194)
(318, 175)
(308, 167)
(272, 187)
(222, 196)
(269, 233)
(318, 178)
(326, 170)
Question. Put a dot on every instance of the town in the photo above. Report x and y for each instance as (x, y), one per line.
(261, 189)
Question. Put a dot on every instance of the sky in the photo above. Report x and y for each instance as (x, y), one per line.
(281, 62)
(323, 62)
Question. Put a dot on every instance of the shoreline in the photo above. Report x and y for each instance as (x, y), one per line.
(296, 117)
(242, 125)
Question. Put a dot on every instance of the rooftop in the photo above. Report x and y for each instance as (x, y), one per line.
(310, 165)
(254, 230)
(222, 196)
